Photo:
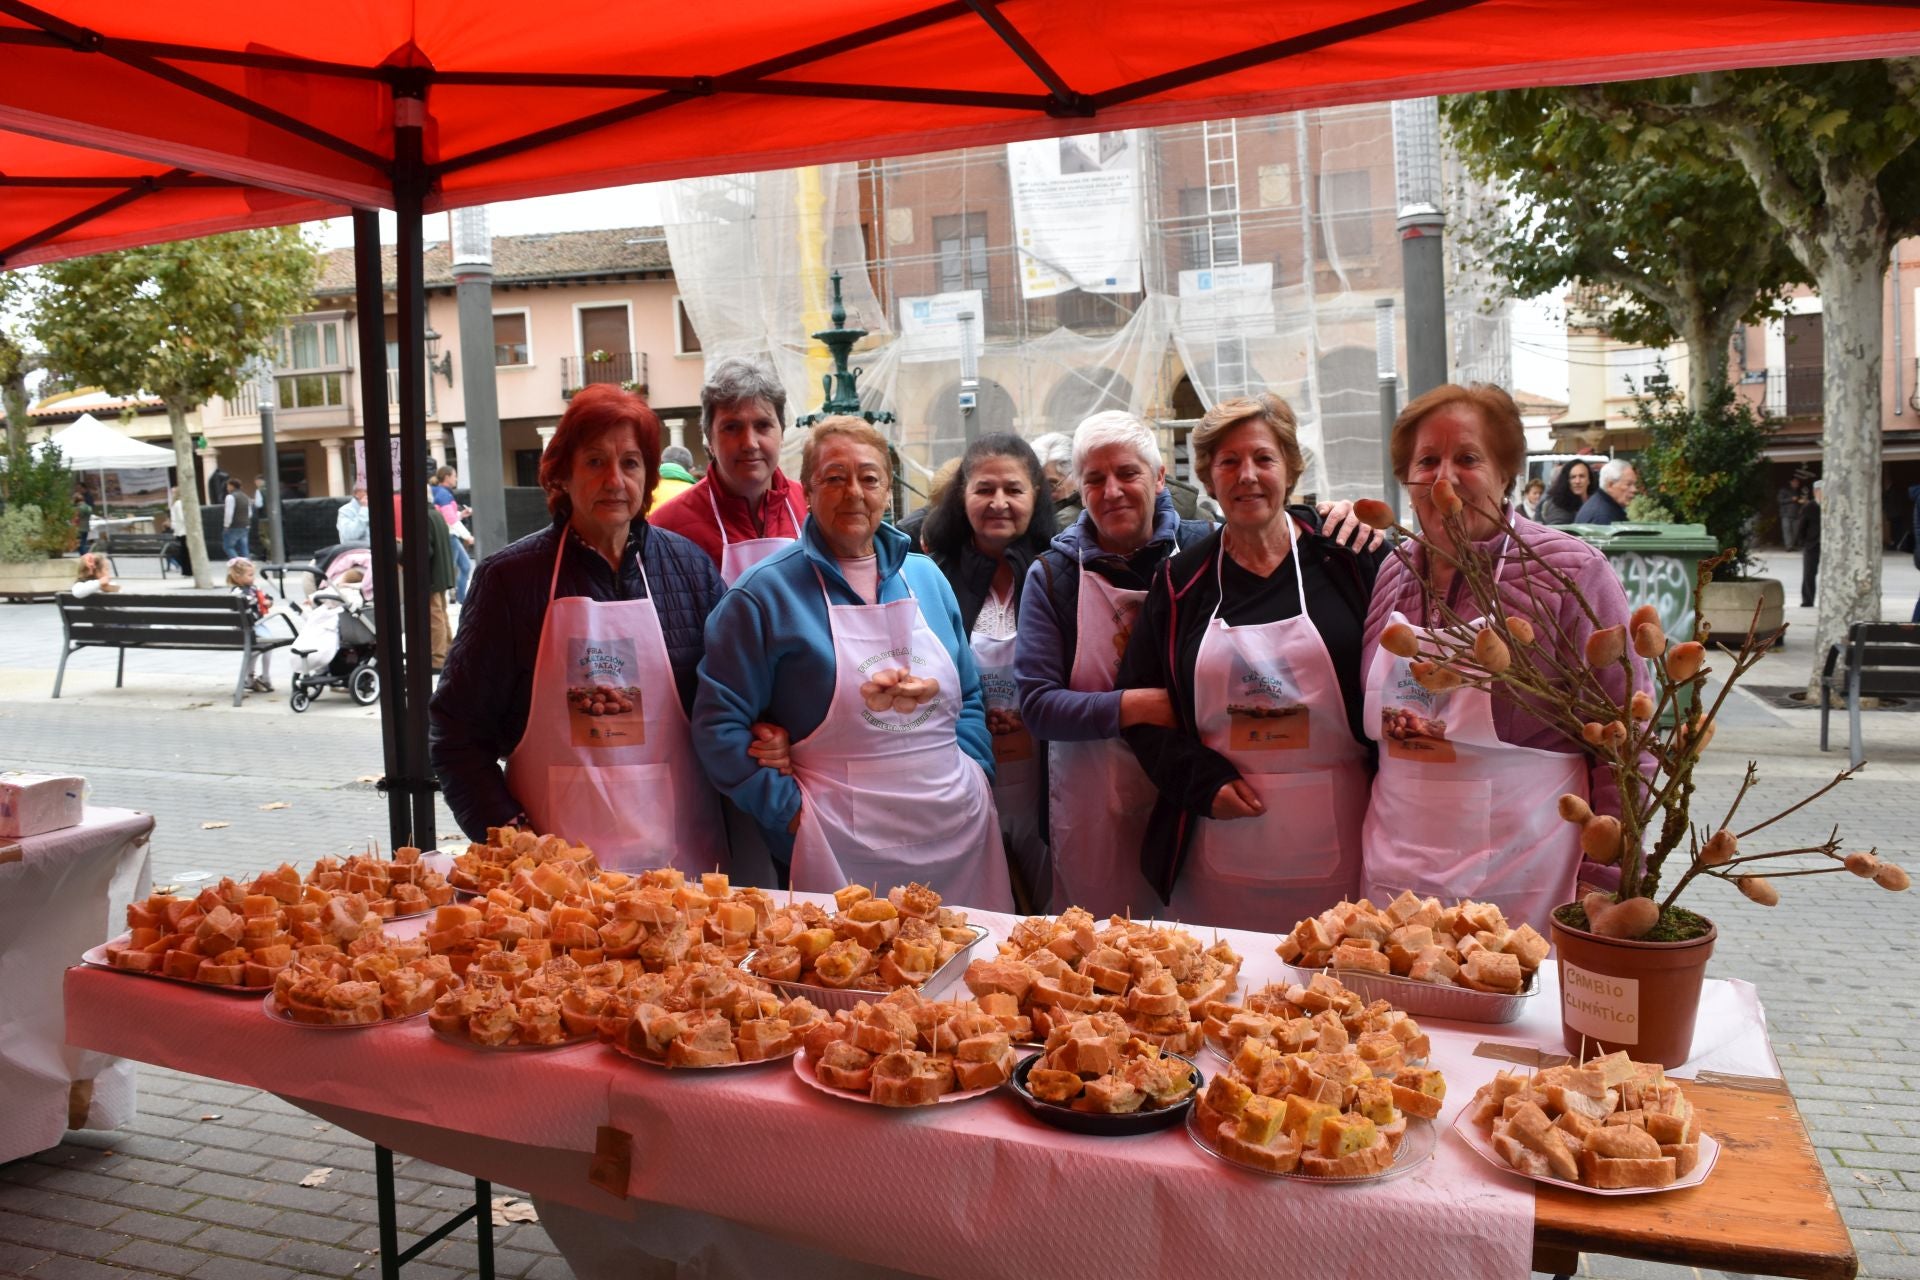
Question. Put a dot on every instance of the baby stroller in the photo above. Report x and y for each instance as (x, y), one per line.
(335, 648)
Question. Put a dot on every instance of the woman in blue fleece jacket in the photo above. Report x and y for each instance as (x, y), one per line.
(855, 647)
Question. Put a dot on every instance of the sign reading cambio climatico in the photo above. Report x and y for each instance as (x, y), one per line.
(1600, 1006)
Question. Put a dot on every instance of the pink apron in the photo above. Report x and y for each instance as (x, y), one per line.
(607, 757)
(1267, 698)
(889, 797)
(1456, 812)
(1098, 798)
(738, 557)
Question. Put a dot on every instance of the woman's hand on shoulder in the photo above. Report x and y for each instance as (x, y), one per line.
(1337, 522)
(1146, 706)
(771, 747)
(1236, 800)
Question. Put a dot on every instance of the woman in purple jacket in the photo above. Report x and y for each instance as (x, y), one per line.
(1463, 804)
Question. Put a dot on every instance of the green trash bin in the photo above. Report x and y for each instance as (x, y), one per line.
(1657, 564)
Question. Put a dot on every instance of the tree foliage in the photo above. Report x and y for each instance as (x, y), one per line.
(1703, 464)
(36, 479)
(179, 322)
(1666, 232)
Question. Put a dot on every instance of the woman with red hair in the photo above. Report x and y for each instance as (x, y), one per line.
(576, 661)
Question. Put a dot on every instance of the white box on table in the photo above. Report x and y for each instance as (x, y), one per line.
(33, 804)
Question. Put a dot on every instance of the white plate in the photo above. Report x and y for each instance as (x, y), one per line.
(515, 1046)
(272, 1009)
(1483, 1146)
(1416, 1148)
(624, 1052)
(96, 958)
(804, 1069)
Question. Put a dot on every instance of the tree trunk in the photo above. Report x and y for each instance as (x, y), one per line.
(1707, 337)
(1850, 284)
(189, 494)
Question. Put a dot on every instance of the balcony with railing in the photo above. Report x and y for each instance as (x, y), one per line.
(1796, 393)
(616, 367)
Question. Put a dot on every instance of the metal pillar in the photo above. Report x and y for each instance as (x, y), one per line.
(410, 295)
(270, 451)
(1418, 190)
(473, 287)
(369, 312)
(1387, 365)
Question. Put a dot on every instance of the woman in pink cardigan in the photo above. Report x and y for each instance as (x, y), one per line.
(1463, 805)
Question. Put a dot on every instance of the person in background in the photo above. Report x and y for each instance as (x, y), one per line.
(1463, 805)
(445, 481)
(441, 577)
(95, 576)
(236, 517)
(82, 519)
(217, 487)
(1531, 499)
(1055, 451)
(577, 660)
(676, 475)
(1076, 612)
(914, 521)
(1913, 496)
(352, 522)
(1792, 501)
(984, 532)
(854, 647)
(1254, 635)
(744, 509)
(1619, 482)
(1810, 544)
(1570, 489)
(241, 582)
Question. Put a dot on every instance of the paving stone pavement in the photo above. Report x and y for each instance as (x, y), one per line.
(174, 1194)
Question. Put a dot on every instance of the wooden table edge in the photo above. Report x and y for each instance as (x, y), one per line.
(1765, 1154)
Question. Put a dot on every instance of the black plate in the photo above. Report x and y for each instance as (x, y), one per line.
(1099, 1123)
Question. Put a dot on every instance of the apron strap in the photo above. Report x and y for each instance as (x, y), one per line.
(553, 582)
(718, 522)
(1219, 568)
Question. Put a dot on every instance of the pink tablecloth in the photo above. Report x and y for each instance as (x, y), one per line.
(65, 891)
(748, 1171)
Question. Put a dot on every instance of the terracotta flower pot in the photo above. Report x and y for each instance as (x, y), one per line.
(1637, 996)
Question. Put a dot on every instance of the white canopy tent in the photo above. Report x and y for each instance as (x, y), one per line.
(88, 444)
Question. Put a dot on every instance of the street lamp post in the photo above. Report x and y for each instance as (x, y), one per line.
(270, 457)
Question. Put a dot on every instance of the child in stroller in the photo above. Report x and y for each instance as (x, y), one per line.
(335, 648)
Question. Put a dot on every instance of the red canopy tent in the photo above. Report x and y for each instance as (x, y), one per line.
(127, 123)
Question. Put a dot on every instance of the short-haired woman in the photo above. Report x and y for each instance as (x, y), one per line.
(984, 532)
(1463, 807)
(577, 657)
(855, 648)
(1255, 633)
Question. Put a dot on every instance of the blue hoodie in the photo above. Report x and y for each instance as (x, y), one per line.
(770, 657)
(1043, 662)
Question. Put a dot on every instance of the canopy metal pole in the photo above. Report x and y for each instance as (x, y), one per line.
(410, 295)
(369, 312)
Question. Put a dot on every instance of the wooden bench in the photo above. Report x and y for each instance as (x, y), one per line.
(176, 620)
(138, 544)
(1882, 660)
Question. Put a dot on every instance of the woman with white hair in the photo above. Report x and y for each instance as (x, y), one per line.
(1075, 616)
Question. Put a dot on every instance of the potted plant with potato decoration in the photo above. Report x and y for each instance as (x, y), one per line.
(1631, 961)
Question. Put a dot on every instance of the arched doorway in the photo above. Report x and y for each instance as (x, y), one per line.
(1080, 394)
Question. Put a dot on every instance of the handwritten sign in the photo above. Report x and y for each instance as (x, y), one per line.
(1600, 1006)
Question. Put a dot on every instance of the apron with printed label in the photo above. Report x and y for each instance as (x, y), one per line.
(738, 557)
(607, 757)
(888, 797)
(1266, 697)
(1456, 812)
(1016, 769)
(1098, 797)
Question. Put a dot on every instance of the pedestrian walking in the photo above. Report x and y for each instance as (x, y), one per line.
(1792, 501)
(455, 515)
(236, 517)
(82, 518)
(1810, 544)
(1619, 482)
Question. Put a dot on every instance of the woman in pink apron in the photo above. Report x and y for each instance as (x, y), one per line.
(1463, 805)
(983, 532)
(1256, 633)
(744, 509)
(576, 659)
(855, 647)
(1076, 613)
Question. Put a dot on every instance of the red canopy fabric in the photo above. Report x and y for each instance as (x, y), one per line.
(191, 116)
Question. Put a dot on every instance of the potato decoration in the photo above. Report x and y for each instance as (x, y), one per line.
(1606, 646)
(1399, 640)
(1600, 838)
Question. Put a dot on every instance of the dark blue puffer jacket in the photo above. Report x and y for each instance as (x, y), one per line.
(480, 708)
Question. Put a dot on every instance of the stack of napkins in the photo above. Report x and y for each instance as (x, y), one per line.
(32, 804)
